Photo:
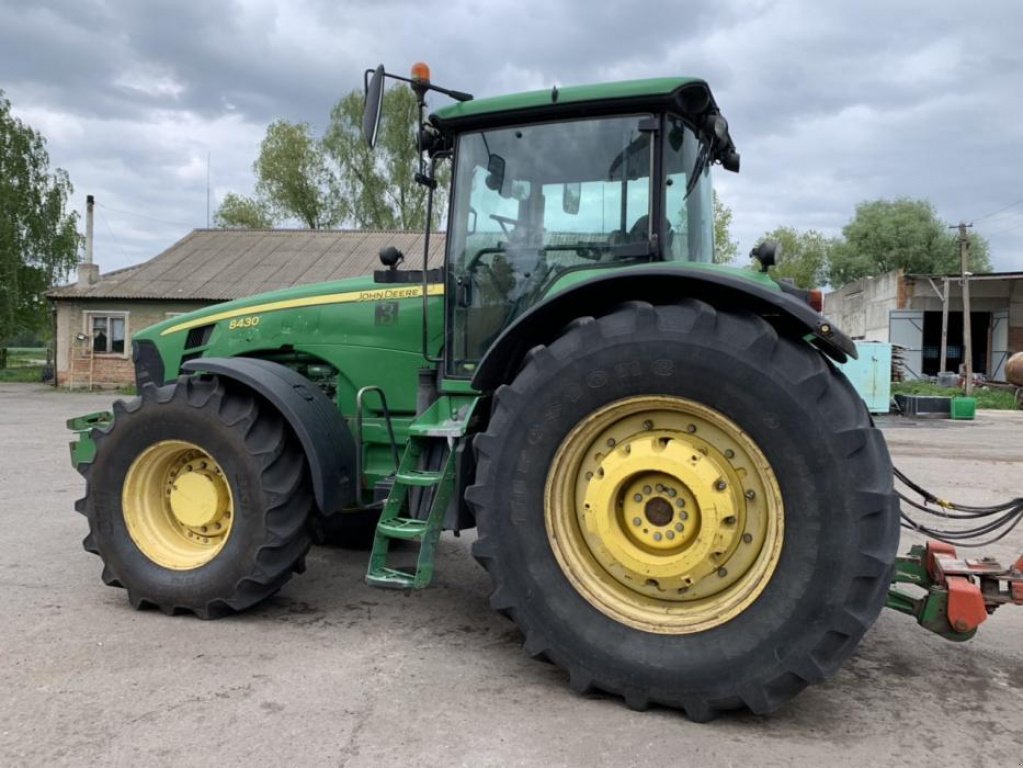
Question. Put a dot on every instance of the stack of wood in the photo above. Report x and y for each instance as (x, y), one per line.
(898, 363)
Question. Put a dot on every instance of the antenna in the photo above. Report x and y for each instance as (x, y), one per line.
(207, 190)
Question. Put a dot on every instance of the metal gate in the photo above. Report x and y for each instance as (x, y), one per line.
(906, 330)
(999, 344)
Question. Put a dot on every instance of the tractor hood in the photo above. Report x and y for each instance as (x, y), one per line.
(330, 324)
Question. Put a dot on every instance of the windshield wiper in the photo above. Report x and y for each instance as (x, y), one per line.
(702, 157)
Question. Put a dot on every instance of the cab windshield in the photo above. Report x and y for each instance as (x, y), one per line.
(533, 202)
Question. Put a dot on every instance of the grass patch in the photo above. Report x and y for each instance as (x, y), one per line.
(995, 399)
(22, 356)
(25, 374)
(23, 364)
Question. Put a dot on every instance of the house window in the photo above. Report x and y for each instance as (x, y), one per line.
(107, 333)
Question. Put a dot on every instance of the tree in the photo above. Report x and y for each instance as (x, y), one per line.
(379, 184)
(238, 212)
(725, 248)
(39, 237)
(900, 234)
(293, 178)
(805, 256)
(338, 178)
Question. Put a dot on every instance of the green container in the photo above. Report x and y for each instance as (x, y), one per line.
(964, 407)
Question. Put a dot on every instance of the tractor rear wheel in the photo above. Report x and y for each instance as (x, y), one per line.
(198, 499)
(678, 506)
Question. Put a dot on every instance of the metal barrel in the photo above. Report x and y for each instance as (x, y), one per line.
(1014, 370)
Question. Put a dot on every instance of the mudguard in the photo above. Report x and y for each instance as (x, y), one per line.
(657, 285)
(316, 421)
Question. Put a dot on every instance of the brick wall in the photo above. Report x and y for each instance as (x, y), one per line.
(77, 367)
(1015, 340)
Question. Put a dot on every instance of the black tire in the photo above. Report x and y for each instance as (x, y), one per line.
(840, 514)
(266, 471)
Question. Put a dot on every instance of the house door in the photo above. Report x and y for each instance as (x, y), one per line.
(906, 329)
(999, 344)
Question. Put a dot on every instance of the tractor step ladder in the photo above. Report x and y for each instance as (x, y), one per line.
(396, 521)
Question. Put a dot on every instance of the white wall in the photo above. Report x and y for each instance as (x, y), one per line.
(860, 309)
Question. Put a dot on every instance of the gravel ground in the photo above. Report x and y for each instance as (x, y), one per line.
(331, 672)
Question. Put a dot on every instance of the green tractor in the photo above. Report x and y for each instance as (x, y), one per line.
(679, 498)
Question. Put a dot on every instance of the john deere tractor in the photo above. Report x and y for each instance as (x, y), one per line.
(678, 497)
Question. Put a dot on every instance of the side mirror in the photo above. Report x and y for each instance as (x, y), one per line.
(390, 257)
(495, 173)
(718, 127)
(767, 254)
(372, 105)
(571, 195)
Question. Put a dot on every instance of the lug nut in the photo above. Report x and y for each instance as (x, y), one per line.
(647, 490)
(637, 522)
(683, 515)
(751, 494)
(657, 537)
(691, 428)
(720, 485)
(729, 453)
(648, 425)
(670, 535)
(610, 442)
(730, 520)
(747, 538)
(680, 503)
(722, 572)
(679, 527)
(638, 497)
(672, 492)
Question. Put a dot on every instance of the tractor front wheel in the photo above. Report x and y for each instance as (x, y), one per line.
(678, 506)
(198, 499)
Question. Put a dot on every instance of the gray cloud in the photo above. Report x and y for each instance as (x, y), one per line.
(830, 104)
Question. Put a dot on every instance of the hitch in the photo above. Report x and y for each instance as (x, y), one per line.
(83, 449)
(960, 594)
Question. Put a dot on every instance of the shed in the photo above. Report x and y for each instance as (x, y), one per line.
(906, 309)
(95, 317)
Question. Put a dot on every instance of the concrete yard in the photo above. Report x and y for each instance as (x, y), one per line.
(331, 672)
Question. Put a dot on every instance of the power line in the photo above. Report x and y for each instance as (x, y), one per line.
(1000, 210)
(145, 216)
(111, 231)
(1006, 229)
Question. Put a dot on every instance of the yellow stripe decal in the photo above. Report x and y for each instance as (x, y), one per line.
(373, 294)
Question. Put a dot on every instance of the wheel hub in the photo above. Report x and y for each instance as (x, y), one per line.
(664, 514)
(177, 505)
(196, 499)
(656, 512)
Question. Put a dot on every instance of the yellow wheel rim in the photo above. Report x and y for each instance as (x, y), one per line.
(664, 514)
(177, 505)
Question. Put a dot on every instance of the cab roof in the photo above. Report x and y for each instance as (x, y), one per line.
(689, 95)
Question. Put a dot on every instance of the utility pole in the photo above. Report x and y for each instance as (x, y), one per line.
(964, 258)
(944, 327)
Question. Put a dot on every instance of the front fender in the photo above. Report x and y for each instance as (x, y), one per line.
(657, 285)
(328, 445)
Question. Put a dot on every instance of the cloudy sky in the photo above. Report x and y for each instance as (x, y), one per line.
(829, 103)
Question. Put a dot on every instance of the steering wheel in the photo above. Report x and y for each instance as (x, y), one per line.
(505, 221)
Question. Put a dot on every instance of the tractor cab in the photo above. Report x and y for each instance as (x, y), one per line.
(550, 187)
